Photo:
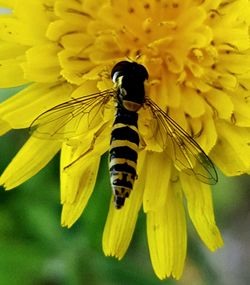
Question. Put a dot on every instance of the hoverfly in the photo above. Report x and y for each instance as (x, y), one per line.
(129, 96)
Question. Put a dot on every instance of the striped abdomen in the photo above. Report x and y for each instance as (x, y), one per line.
(123, 155)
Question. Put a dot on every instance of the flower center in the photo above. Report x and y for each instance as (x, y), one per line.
(165, 34)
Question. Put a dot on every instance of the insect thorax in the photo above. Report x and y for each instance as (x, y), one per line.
(129, 78)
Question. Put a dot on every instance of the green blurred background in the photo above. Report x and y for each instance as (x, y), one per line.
(35, 249)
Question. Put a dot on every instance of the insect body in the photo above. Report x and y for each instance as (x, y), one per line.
(129, 96)
(129, 77)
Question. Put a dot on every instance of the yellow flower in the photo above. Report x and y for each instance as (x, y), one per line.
(197, 55)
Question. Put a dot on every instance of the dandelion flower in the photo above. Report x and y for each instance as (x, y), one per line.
(197, 56)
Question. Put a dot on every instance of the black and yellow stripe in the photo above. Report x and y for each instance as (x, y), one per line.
(123, 155)
(129, 78)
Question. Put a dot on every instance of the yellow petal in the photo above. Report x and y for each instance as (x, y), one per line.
(238, 35)
(167, 236)
(236, 63)
(79, 169)
(200, 209)
(4, 127)
(8, 3)
(75, 157)
(93, 7)
(10, 29)
(192, 103)
(74, 66)
(208, 137)
(76, 42)
(11, 73)
(59, 28)
(167, 89)
(232, 151)
(120, 223)
(26, 26)
(45, 67)
(11, 50)
(221, 102)
(78, 188)
(71, 11)
(21, 109)
(156, 176)
(33, 19)
(32, 157)
(241, 114)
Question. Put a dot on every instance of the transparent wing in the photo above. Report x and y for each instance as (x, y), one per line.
(186, 153)
(71, 118)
